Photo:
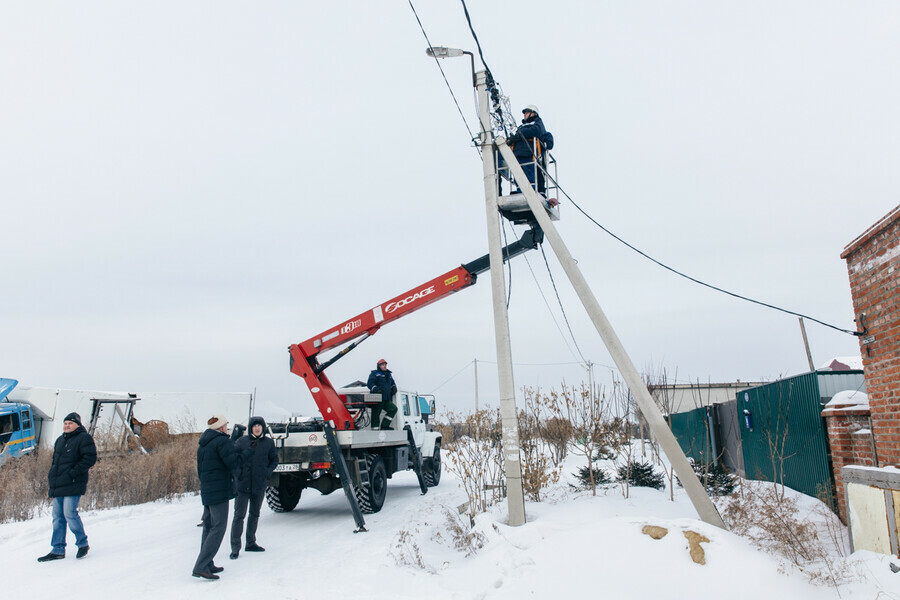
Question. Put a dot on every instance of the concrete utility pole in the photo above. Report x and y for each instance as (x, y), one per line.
(812, 367)
(515, 497)
(477, 426)
(475, 362)
(702, 504)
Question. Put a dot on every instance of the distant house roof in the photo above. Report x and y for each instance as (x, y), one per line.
(842, 363)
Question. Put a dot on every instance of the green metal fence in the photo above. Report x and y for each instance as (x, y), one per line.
(783, 434)
(691, 429)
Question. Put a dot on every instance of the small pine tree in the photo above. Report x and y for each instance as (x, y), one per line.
(719, 482)
(584, 477)
(641, 475)
(715, 478)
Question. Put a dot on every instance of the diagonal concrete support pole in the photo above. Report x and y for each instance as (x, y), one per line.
(695, 491)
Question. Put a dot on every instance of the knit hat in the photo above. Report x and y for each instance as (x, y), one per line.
(74, 417)
(217, 422)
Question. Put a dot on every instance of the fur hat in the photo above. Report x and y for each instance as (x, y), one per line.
(217, 422)
(74, 417)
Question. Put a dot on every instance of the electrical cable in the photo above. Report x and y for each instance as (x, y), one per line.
(444, 75)
(695, 280)
(489, 77)
(558, 299)
(451, 377)
(547, 304)
(495, 96)
(508, 262)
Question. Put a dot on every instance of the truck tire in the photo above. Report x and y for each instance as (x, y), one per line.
(431, 471)
(284, 497)
(373, 485)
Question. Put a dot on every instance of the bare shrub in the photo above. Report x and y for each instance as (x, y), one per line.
(406, 551)
(557, 432)
(23, 486)
(594, 430)
(462, 536)
(478, 462)
(774, 523)
(410, 547)
(545, 414)
(538, 467)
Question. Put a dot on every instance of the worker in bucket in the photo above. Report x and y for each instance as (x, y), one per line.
(529, 143)
(382, 382)
(217, 462)
(73, 455)
(260, 458)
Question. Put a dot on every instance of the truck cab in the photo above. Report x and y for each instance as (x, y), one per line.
(18, 427)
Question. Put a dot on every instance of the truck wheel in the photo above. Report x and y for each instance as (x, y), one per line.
(372, 490)
(432, 472)
(285, 496)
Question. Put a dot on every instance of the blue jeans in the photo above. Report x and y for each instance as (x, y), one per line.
(65, 511)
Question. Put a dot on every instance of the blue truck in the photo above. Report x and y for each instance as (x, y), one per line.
(18, 427)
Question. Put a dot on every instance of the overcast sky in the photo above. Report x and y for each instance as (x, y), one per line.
(189, 187)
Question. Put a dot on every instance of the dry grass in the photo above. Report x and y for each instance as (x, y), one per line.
(775, 523)
(116, 480)
(23, 486)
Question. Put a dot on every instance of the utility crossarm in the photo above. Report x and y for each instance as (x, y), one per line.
(304, 356)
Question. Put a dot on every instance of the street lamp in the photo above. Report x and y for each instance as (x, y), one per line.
(445, 52)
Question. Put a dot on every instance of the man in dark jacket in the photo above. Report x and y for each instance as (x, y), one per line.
(259, 461)
(217, 462)
(73, 455)
(528, 144)
(382, 382)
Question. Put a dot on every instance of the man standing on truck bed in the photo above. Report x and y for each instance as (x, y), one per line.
(382, 382)
(73, 455)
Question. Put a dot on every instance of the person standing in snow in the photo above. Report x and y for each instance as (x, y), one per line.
(381, 381)
(259, 461)
(217, 462)
(74, 453)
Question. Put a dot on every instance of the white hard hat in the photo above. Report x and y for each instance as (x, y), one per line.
(532, 108)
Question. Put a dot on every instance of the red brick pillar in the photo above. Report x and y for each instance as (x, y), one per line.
(850, 438)
(873, 264)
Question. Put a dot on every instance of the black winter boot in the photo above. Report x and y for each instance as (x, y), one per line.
(51, 556)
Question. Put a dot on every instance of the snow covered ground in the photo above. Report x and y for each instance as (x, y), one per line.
(573, 546)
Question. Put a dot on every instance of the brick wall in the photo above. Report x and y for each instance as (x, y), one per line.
(873, 263)
(850, 439)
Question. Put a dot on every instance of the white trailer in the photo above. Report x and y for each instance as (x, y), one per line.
(184, 412)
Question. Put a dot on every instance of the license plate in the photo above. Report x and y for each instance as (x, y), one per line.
(287, 468)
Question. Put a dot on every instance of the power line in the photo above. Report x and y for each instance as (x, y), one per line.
(489, 77)
(508, 262)
(547, 304)
(444, 75)
(451, 377)
(563, 310)
(688, 277)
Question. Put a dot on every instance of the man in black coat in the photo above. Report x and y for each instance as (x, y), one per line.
(259, 457)
(381, 381)
(217, 462)
(73, 455)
